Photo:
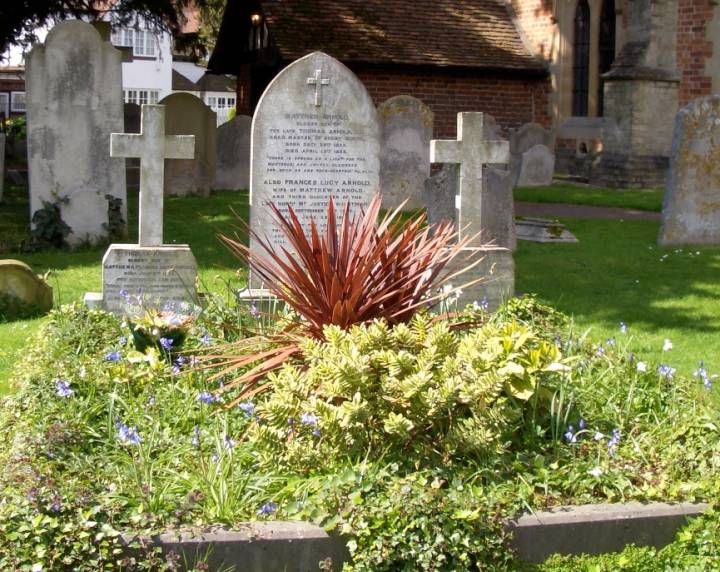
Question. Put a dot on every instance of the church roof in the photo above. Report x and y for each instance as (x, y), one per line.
(444, 33)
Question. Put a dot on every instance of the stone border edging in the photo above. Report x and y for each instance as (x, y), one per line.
(300, 546)
(598, 528)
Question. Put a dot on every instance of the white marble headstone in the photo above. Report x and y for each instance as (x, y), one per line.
(74, 103)
(315, 135)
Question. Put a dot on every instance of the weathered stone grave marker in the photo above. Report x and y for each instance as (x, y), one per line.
(156, 272)
(691, 209)
(315, 135)
(232, 169)
(472, 151)
(186, 114)
(407, 127)
(532, 155)
(74, 102)
(17, 280)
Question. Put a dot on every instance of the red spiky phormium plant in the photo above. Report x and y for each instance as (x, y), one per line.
(354, 272)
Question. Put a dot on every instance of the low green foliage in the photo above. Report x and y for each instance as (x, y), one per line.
(415, 442)
(49, 230)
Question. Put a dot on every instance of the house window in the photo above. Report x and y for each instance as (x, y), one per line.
(581, 59)
(141, 96)
(17, 102)
(141, 41)
(5, 104)
(606, 52)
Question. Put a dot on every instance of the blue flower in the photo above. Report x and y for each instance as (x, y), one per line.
(207, 397)
(151, 401)
(610, 342)
(666, 371)
(309, 419)
(254, 312)
(581, 424)
(247, 407)
(600, 351)
(62, 388)
(614, 441)
(267, 509)
(122, 341)
(570, 436)
(623, 328)
(316, 432)
(229, 443)
(196, 436)
(113, 356)
(127, 434)
(166, 343)
(205, 339)
(125, 294)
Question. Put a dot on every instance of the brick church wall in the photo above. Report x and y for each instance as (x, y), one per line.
(694, 48)
(535, 19)
(511, 100)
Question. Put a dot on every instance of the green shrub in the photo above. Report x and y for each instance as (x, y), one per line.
(419, 391)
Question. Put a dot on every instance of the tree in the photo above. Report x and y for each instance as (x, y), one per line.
(20, 18)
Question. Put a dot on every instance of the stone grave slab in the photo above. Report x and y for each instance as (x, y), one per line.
(186, 114)
(691, 209)
(151, 270)
(439, 194)
(86, 213)
(315, 135)
(472, 151)
(74, 103)
(18, 280)
(406, 127)
(534, 168)
(542, 230)
(232, 168)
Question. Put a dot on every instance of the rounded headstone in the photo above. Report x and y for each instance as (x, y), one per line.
(691, 209)
(407, 128)
(186, 114)
(232, 170)
(19, 281)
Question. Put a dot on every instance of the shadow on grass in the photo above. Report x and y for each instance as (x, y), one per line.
(617, 273)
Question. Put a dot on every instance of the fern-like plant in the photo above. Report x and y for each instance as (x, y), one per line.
(357, 271)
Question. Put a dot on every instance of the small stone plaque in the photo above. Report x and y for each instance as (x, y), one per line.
(158, 274)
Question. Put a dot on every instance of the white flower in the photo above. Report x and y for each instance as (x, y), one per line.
(642, 366)
(596, 472)
(598, 436)
(37, 567)
(667, 346)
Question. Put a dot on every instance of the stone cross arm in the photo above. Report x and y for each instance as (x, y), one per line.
(152, 147)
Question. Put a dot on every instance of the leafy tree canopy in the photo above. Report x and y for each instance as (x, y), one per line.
(20, 18)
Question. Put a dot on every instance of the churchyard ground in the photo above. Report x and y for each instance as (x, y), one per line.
(615, 274)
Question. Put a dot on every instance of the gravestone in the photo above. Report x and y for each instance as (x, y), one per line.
(17, 280)
(2, 164)
(497, 224)
(542, 230)
(151, 270)
(315, 135)
(86, 212)
(186, 114)
(472, 151)
(74, 102)
(406, 128)
(131, 113)
(232, 169)
(691, 209)
(532, 155)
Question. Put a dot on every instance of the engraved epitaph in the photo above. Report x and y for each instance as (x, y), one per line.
(471, 151)
(312, 144)
(152, 272)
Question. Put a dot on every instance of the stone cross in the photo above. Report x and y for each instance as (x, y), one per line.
(471, 151)
(152, 147)
(318, 81)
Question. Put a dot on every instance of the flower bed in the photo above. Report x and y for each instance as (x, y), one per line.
(415, 442)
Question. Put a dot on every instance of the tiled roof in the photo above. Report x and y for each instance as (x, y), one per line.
(457, 33)
(181, 83)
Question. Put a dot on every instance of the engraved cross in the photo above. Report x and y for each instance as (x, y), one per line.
(318, 81)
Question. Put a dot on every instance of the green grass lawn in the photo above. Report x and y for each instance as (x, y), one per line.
(616, 273)
(644, 200)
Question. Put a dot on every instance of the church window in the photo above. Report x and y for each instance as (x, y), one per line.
(606, 52)
(581, 59)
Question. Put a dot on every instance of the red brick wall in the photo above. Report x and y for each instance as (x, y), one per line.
(694, 48)
(512, 101)
(535, 19)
